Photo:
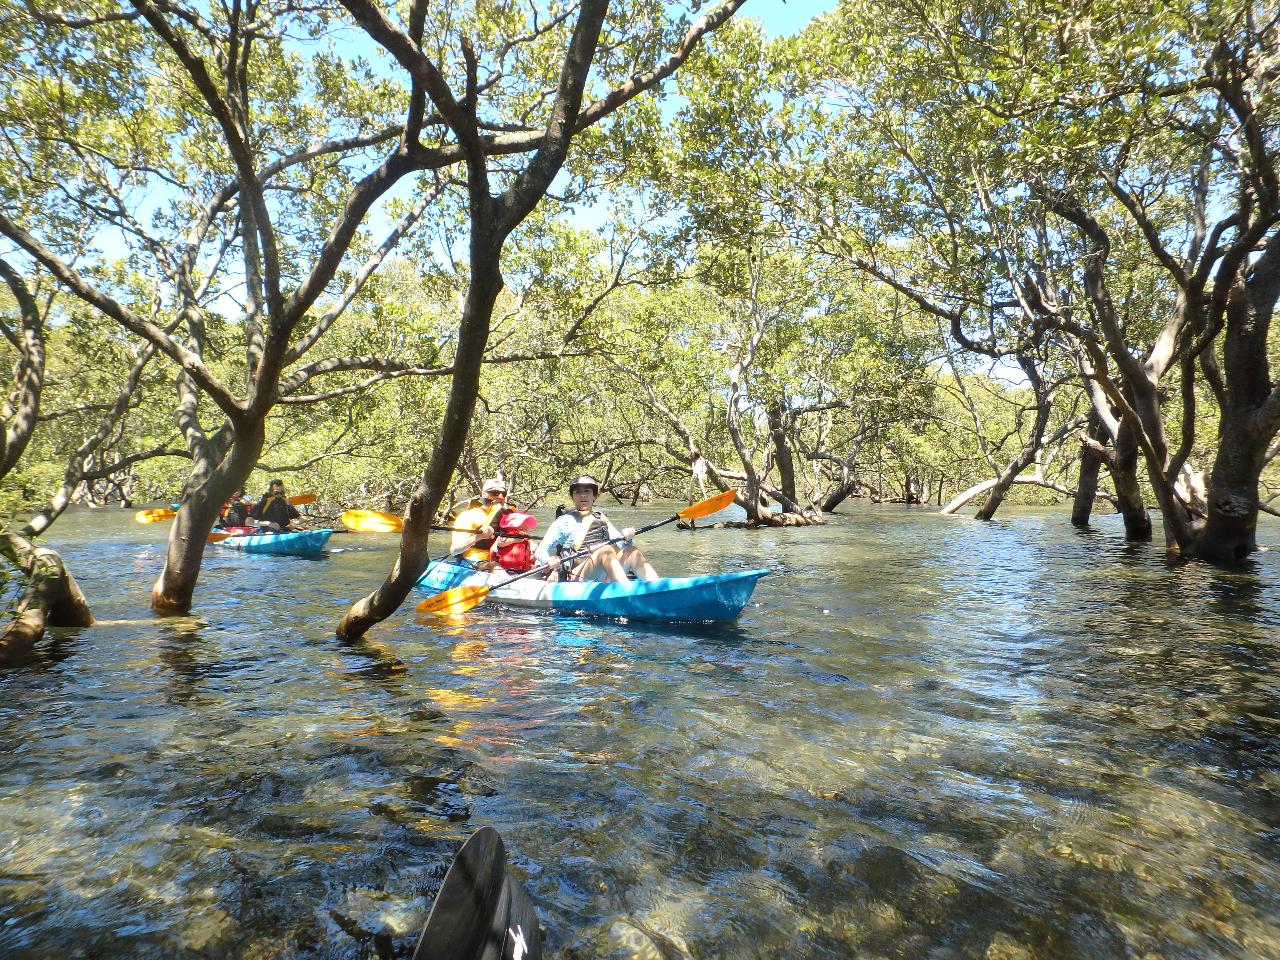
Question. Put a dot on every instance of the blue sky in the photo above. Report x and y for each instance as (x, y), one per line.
(781, 17)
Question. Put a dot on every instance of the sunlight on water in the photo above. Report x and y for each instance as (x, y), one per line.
(926, 737)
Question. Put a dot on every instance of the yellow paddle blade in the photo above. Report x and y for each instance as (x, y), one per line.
(302, 498)
(371, 521)
(707, 507)
(152, 516)
(455, 601)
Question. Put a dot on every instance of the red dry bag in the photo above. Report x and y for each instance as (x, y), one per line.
(515, 556)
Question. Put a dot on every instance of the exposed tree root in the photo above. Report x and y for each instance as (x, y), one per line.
(770, 520)
(52, 598)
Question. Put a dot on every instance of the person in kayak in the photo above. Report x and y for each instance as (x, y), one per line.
(585, 528)
(274, 512)
(235, 513)
(476, 523)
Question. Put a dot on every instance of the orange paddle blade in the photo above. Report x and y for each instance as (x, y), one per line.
(302, 498)
(707, 507)
(218, 537)
(457, 600)
(151, 516)
(371, 521)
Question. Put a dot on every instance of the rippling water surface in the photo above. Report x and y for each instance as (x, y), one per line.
(927, 737)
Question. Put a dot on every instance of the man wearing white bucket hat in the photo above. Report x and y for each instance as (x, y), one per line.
(476, 525)
(585, 528)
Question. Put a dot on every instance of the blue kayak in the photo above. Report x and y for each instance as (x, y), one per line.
(298, 543)
(666, 600)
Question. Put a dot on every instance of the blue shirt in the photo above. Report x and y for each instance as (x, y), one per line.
(564, 532)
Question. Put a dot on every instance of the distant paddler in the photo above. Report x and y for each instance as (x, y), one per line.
(274, 512)
(235, 513)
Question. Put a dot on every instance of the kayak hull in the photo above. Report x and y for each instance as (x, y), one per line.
(299, 543)
(667, 600)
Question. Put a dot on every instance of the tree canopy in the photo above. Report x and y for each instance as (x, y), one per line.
(911, 252)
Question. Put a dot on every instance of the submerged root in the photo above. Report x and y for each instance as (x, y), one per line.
(52, 597)
(772, 520)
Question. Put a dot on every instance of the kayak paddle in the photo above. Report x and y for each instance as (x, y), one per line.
(375, 521)
(371, 521)
(153, 516)
(299, 499)
(508, 534)
(158, 514)
(462, 599)
(481, 911)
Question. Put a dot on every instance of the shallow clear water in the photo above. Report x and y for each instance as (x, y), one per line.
(927, 737)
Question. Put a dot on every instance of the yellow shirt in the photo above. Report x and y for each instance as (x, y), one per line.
(473, 518)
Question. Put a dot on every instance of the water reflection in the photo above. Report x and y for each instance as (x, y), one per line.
(927, 737)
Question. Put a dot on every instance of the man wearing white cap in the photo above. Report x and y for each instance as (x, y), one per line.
(480, 515)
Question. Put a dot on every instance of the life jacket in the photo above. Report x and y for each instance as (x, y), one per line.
(473, 519)
(234, 514)
(514, 556)
(275, 508)
(593, 532)
(451, 515)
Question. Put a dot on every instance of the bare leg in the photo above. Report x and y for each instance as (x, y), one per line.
(636, 562)
(602, 565)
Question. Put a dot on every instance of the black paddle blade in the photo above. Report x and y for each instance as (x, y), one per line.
(522, 923)
(480, 913)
